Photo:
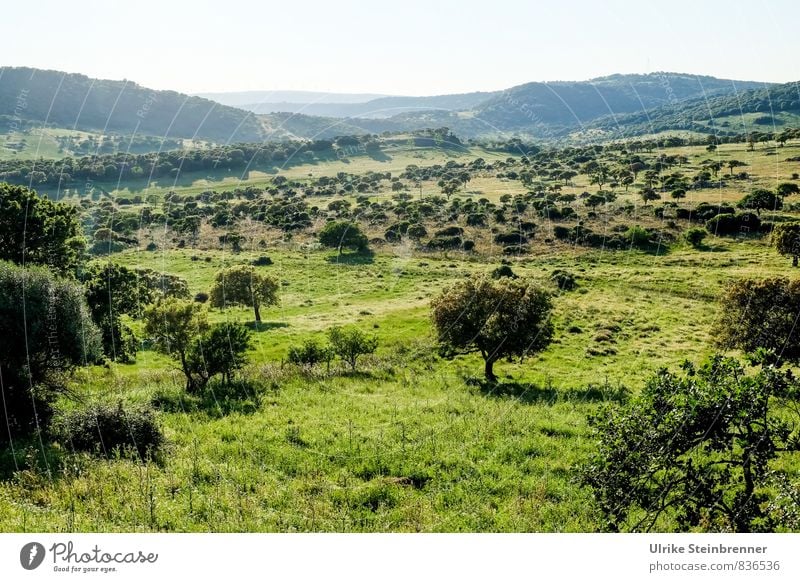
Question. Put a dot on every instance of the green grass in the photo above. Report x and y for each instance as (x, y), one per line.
(409, 443)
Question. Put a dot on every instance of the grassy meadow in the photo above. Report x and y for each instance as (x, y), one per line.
(410, 441)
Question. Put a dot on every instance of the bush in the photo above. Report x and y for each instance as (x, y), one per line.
(731, 224)
(351, 343)
(563, 279)
(450, 231)
(219, 350)
(510, 238)
(444, 243)
(103, 429)
(45, 331)
(636, 236)
(309, 354)
(695, 236)
(503, 271)
(695, 450)
(469, 245)
(201, 297)
(262, 261)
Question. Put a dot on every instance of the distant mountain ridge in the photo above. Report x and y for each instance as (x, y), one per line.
(71, 100)
(615, 105)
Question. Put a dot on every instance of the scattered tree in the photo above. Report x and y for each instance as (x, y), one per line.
(499, 318)
(174, 325)
(351, 343)
(786, 239)
(341, 235)
(244, 285)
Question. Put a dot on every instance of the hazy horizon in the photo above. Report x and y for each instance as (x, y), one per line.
(416, 49)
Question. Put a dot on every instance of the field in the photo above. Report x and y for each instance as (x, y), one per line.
(411, 441)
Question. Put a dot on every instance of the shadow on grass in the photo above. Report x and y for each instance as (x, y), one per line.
(265, 325)
(216, 400)
(358, 258)
(28, 456)
(532, 394)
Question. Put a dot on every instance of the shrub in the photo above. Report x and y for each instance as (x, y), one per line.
(450, 231)
(201, 297)
(219, 350)
(696, 449)
(444, 243)
(416, 231)
(351, 343)
(695, 236)
(46, 330)
(510, 238)
(310, 353)
(731, 224)
(343, 234)
(503, 271)
(262, 261)
(103, 429)
(469, 245)
(636, 236)
(563, 279)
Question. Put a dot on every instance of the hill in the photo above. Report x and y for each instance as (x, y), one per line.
(33, 98)
(764, 109)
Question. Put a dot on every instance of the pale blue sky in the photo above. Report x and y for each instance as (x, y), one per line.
(419, 47)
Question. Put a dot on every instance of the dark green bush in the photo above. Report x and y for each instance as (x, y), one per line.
(103, 429)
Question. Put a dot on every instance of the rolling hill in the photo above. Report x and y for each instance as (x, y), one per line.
(767, 109)
(34, 97)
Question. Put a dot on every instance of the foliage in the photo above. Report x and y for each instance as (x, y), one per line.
(502, 318)
(350, 343)
(45, 331)
(174, 325)
(310, 353)
(244, 285)
(34, 229)
(695, 236)
(760, 314)
(761, 199)
(786, 239)
(696, 447)
(113, 290)
(341, 235)
(104, 429)
(220, 350)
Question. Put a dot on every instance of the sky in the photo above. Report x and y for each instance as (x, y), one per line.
(408, 47)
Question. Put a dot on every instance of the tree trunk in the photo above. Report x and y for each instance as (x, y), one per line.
(257, 312)
(488, 371)
(794, 260)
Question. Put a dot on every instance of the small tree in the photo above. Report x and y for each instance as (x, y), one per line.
(351, 343)
(695, 450)
(112, 291)
(243, 285)
(174, 325)
(760, 315)
(219, 350)
(499, 318)
(343, 234)
(761, 199)
(786, 239)
(648, 194)
(310, 353)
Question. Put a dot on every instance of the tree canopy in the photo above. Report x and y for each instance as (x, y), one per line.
(499, 318)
